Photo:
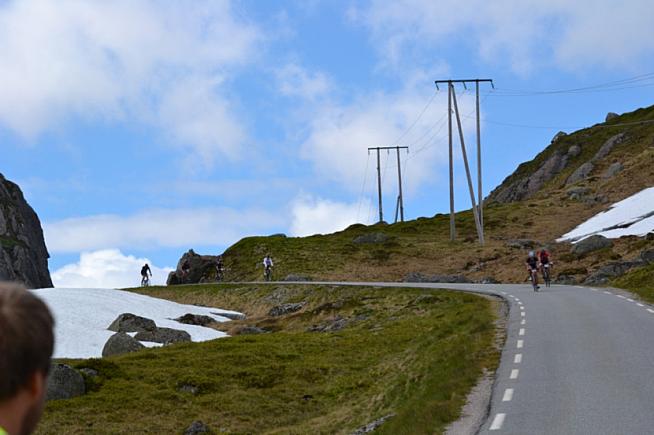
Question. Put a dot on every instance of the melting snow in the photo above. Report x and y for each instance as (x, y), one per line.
(83, 315)
(631, 216)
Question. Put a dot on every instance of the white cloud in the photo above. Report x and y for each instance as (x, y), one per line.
(124, 59)
(107, 268)
(295, 81)
(340, 135)
(151, 229)
(321, 216)
(525, 33)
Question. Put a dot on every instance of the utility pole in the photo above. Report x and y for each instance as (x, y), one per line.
(477, 206)
(400, 199)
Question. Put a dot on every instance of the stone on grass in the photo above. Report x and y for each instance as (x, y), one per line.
(64, 382)
(647, 256)
(612, 170)
(164, 336)
(120, 343)
(195, 319)
(128, 322)
(197, 427)
(590, 244)
(612, 270)
(581, 173)
(281, 310)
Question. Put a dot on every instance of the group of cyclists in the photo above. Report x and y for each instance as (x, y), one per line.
(539, 261)
(146, 272)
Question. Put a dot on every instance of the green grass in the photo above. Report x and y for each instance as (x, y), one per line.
(412, 352)
(639, 281)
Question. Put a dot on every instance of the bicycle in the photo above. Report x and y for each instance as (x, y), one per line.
(145, 281)
(267, 274)
(534, 278)
(220, 274)
(546, 274)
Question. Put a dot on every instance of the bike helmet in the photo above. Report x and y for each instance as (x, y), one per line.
(531, 254)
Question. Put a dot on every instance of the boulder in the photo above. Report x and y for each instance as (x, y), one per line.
(120, 343)
(558, 136)
(612, 170)
(282, 310)
(292, 277)
(377, 237)
(200, 266)
(590, 244)
(64, 382)
(23, 254)
(606, 148)
(574, 151)
(611, 270)
(195, 319)
(197, 427)
(419, 277)
(610, 116)
(581, 173)
(647, 256)
(164, 336)
(128, 322)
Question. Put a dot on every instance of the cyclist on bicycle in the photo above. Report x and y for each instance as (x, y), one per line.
(532, 267)
(267, 266)
(220, 268)
(546, 263)
(144, 274)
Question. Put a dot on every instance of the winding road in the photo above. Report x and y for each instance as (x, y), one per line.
(577, 360)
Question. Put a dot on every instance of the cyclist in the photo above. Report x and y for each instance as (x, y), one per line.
(546, 263)
(220, 268)
(267, 267)
(532, 267)
(145, 270)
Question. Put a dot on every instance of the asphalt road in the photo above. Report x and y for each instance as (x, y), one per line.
(577, 360)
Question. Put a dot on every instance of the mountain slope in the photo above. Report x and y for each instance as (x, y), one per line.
(572, 179)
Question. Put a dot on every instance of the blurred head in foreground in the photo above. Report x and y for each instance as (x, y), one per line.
(26, 345)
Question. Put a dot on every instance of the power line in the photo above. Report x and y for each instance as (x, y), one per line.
(413, 124)
(646, 79)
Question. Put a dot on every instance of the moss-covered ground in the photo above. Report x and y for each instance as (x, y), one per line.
(410, 352)
(639, 281)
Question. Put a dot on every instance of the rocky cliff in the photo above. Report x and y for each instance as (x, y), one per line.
(23, 255)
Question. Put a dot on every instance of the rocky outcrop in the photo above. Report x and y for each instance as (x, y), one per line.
(23, 255)
(200, 268)
(611, 270)
(590, 244)
(64, 382)
(613, 170)
(120, 343)
(610, 116)
(608, 146)
(581, 173)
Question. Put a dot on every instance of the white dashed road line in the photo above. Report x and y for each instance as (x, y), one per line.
(650, 310)
(520, 344)
(508, 395)
(518, 358)
(522, 331)
(607, 293)
(514, 374)
(498, 421)
(630, 300)
(522, 314)
(639, 304)
(523, 321)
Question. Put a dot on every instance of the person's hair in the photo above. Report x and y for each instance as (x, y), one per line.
(26, 338)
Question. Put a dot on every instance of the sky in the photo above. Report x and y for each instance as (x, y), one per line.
(139, 129)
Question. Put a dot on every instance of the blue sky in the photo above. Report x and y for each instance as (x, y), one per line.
(139, 129)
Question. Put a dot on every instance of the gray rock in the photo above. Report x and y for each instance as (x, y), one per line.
(612, 170)
(197, 427)
(371, 427)
(188, 388)
(120, 343)
(371, 238)
(292, 277)
(574, 151)
(522, 243)
(647, 256)
(581, 173)
(608, 146)
(201, 268)
(64, 382)
(336, 324)
(231, 316)
(590, 244)
(195, 319)
(23, 254)
(610, 116)
(419, 277)
(282, 310)
(558, 136)
(577, 193)
(128, 322)
(164, 336)
(611, 270)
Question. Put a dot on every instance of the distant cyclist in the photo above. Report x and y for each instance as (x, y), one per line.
(220, 268)
(145, 270)
(267, 267)
(532, 267)
(546, 264)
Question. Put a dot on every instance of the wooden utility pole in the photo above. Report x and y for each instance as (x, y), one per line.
(400, 198)
(477, 206)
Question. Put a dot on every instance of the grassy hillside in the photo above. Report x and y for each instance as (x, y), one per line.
(409, 352)
(423, 245)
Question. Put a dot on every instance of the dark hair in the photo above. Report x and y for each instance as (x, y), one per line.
(26, 338)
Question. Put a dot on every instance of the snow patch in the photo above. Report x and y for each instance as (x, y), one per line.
(83, 315)
(631, 216)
